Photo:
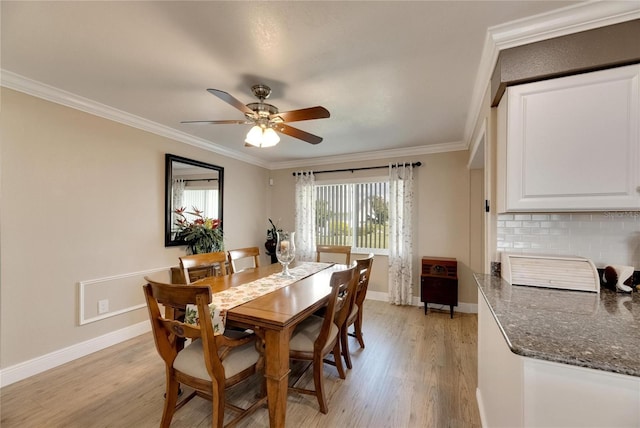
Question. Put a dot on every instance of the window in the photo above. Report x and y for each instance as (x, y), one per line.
(355, 214)
(205, 200)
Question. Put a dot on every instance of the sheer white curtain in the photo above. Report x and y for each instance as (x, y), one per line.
(400, 233)
(305, 216)
(177, 189)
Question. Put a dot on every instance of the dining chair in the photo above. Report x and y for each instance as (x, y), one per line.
(243, 253)
(210, 363)
(214, 264)
(334, 249)
(363, 271)
(316, 337)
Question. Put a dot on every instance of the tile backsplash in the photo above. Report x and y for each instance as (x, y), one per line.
(607, 238)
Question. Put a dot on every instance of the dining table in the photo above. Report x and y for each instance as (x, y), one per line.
(273, 317)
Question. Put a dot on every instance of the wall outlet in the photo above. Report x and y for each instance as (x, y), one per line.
(103, 306)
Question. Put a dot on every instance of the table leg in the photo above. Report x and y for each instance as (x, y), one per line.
(276, 372)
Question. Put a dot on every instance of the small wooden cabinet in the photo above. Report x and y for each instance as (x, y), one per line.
(439, 282)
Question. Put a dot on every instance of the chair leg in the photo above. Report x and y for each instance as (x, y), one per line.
(217, 416)
(338, 360)
(263, 386)
(318, 380)
(358, 329)
(344, 344)
(170, 400)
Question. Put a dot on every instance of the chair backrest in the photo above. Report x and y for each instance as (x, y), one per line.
(217, 261)
(242, 253)
(363, 269)
(343, 289)
(167, 332)
(334, 249)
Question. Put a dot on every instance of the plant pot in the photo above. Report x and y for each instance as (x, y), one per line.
(270, 246)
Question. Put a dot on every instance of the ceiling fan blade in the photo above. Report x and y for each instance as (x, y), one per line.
(229, 99)
(297, 133)
(302, 114)
(217, 122)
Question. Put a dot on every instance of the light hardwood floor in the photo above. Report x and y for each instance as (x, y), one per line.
(416, 371)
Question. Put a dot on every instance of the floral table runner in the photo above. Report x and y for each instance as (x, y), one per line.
(223, 301)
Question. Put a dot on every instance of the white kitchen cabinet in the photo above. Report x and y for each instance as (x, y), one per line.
(571, 143)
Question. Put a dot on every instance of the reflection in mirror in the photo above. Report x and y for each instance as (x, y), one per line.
(191, 184)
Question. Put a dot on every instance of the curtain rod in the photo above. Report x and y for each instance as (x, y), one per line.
(354, 169)
(199, 179)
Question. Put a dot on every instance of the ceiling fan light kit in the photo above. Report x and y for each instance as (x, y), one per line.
(266, 119)
(259, 137)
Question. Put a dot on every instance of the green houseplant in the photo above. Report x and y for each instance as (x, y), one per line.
(272, 238)
(202, 235)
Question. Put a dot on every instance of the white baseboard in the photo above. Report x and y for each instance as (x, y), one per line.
(468, 308)
(483, 417)
(377, 295)
(40, 364)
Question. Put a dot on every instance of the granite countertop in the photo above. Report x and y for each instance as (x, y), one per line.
(580, 328)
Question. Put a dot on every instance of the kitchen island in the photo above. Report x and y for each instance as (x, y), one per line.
(550, 357)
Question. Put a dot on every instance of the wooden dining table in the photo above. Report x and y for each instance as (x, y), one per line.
(273, 317)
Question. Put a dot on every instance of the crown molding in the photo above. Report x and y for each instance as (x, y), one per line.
(365, 156)
(14, 81)
(568, 20)
(561, 22)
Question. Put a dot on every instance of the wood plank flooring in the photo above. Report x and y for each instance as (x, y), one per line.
(416, 371)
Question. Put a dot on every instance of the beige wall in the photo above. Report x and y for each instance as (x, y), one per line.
(441, 212)
(82, 199)
(483, 186)
(476, 219)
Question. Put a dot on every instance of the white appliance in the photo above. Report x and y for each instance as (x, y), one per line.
(566, 272)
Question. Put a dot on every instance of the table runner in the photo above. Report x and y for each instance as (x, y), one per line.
(223, 301)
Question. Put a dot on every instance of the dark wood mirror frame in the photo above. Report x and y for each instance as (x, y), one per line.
(169, 161)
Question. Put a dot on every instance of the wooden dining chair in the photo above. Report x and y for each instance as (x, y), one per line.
(197, 266)
(243, 253)
(316, 337)
(209, 364)
(363, 271)
(334, 249)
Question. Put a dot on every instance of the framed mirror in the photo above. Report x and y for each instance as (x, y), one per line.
(190, 183)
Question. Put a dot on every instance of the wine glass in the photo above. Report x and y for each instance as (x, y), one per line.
(286, 251)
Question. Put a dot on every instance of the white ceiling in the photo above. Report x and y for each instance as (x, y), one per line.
(397, 77)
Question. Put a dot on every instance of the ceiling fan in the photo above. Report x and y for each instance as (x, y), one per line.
(266, 119)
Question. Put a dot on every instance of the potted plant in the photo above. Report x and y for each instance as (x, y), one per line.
(201, 235)
(272, 239)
